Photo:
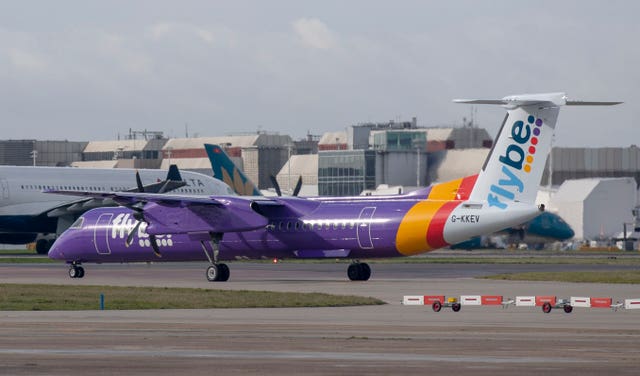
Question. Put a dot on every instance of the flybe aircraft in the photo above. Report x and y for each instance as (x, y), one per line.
(174, 227)
(26, 211)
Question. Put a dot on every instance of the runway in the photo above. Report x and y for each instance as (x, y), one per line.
(377, 340)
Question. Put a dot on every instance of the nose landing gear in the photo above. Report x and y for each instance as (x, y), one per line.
(76, 271)
(359, 271)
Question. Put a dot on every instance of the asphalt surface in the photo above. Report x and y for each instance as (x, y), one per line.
(377, 340)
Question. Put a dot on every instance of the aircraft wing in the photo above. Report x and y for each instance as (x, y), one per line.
(182, 214)
(75, 207)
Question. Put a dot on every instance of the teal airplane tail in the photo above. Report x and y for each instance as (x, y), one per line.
(225, 170)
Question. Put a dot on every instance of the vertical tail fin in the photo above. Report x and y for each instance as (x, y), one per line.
(513, 169)
(225, 170)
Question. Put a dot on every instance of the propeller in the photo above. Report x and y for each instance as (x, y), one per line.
(276, 186)
(139, 182)
(138, 214)
(297, 188)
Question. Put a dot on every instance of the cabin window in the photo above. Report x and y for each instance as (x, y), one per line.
(352, 225)
(280, 226)
(78, 223)
(297, 226)
(289, 226)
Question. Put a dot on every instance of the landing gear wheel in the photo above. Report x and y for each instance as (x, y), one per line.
(42, 246)
(546, 307)
(456, 307)
(223, 269)
(353, 272)
(365, 272)
(436, 306)
(218, 273)
(359, 272)
(213, 273)
(568, 308)
(76, 271)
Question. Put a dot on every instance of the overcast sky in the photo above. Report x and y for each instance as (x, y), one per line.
(85, 70)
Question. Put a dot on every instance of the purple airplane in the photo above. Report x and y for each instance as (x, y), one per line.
(169, 227)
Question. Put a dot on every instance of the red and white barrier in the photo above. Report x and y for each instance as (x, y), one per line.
(491, 299)
(601, 302)
(579, 301)
(632, 303)
(413, 300)
(525, 301)
(540, 300)
(470, 300)
(430, 299)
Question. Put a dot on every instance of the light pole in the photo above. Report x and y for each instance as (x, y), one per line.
(417, 145)
(34, 155)
(289, 166)
(169, 149)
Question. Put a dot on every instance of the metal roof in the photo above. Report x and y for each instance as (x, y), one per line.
(112, 146)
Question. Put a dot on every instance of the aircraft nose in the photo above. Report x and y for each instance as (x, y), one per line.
(55, 252)
(569, 232)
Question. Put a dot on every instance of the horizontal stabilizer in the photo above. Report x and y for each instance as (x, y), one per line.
(585, 103)
(557, 99)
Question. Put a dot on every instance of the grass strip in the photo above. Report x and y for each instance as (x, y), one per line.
(27, 297)
(27, 260)
(17, 252)
(623, 277)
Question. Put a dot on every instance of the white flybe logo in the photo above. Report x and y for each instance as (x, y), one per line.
(518, 156)
(123, 224)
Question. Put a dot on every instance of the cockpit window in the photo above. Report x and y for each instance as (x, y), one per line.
(78, 223)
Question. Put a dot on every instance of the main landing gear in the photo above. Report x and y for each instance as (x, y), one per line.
(76, 271)
(359, 271)
(216, 272)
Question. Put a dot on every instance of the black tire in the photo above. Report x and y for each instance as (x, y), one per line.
(354, 272)
(568, 308)
(224, 271)
(456, 307)
(436, 306)
(42, 246)
(80, 271)
(73, 272)
(546, 307)
(365, 272)
(213, 273)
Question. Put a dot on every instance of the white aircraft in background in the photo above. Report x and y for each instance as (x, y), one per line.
(28, 214)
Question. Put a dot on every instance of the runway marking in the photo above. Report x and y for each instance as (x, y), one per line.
(317, 355)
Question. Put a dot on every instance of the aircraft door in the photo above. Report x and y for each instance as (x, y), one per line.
(101, 234)
(364, 227)
(4, 185)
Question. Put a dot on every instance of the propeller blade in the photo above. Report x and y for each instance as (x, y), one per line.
(275, 184)
(296, 190)
(154, 245)
(164, 187)
(139, 182)
(132, 234)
